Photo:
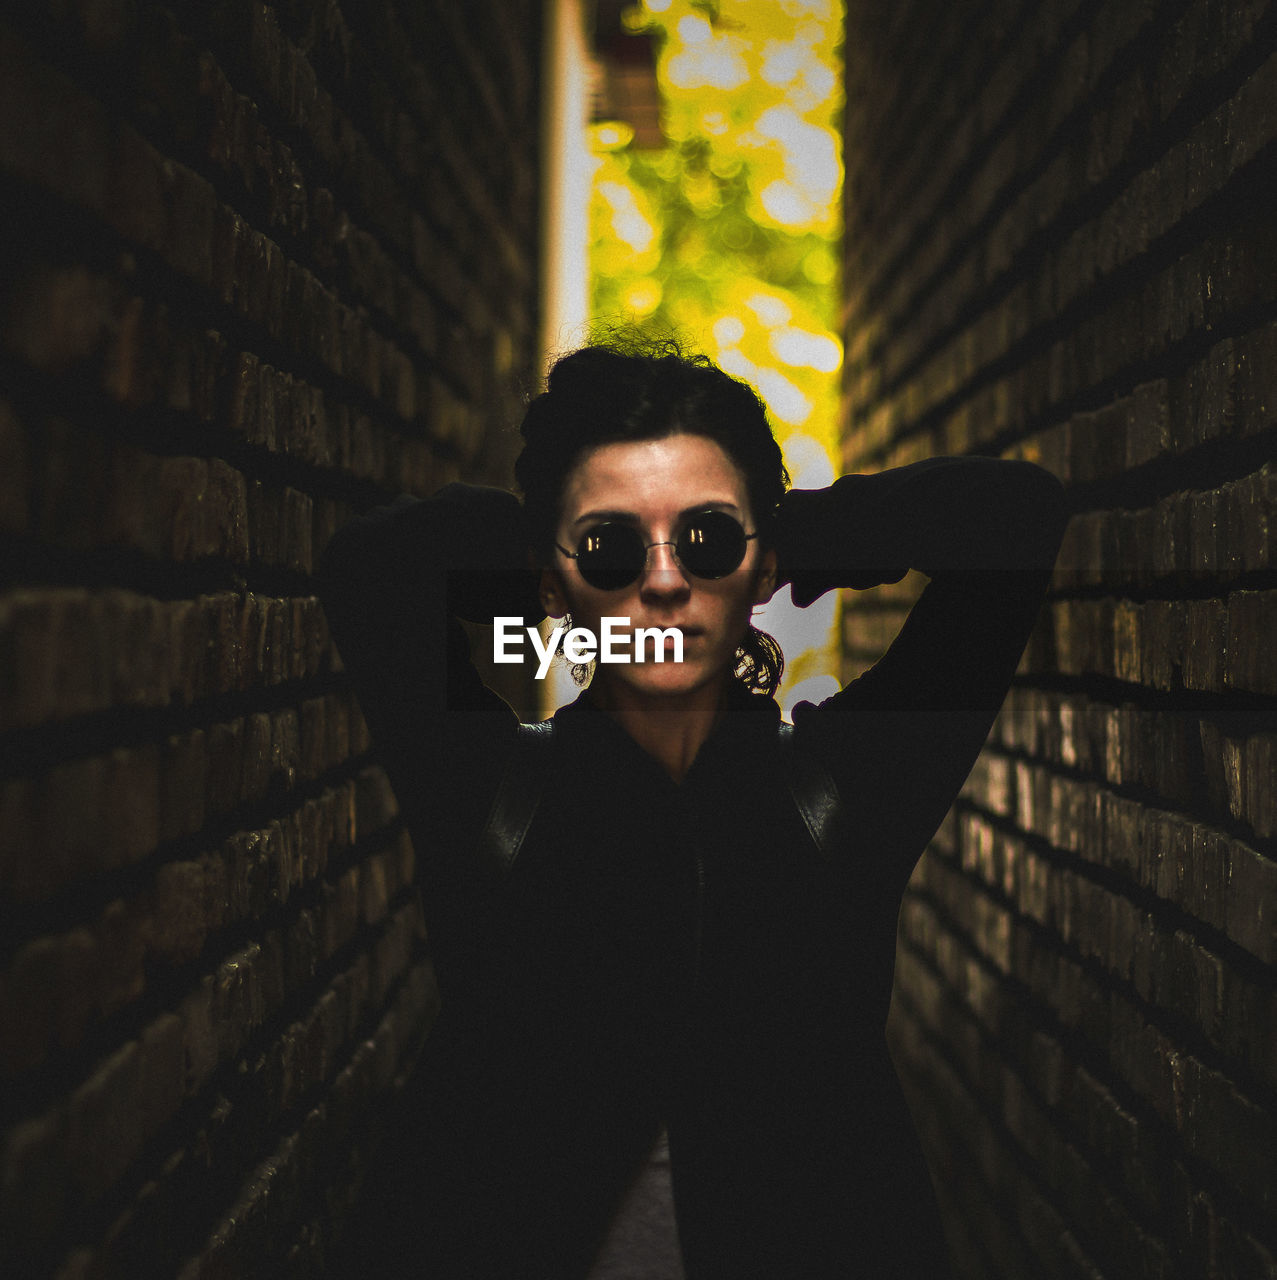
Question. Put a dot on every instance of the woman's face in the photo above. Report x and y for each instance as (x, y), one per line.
(655, 486)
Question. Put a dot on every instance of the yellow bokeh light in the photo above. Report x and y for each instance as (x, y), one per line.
(643, 296)
(811, 152)
(797, 347)
(819, 81)
(786, 204)
(708, 66)
(694, 30)
(627, 221)
(784, 398)
(769, 308)
(736, 364)
(728, 331)
(823, 9)
(809, 463)
(611, 135)
(783, 61)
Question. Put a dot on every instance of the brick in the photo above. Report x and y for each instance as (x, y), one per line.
(1171, 547)
(285, 747)
(237, 1004)
(184, 768)
(374, 890)
(1127, 618)
(1165, 754)
(1255, 381)
(1068, 727)
(36, 1181)
(1206, 628)
(199, 1033)
(304, 948)
(49, 995)
(313, 755)
(1251, 663)
(340, 910)
(375, 801)
(224, 743)
(1252, 520)
(1259, 791)
(190, 901)
(123, 935)
(112, 1114)
(206, 504)
(1164, 643)
(1205, 529)
(1253, 881)
(71, 807)
(58, 318)
(247, 876)
(131, 804)
(279, 527)
(392, 954)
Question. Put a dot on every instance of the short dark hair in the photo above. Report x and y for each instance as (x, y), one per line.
(638, 388)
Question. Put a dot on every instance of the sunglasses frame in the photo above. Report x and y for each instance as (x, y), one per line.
(647, 546)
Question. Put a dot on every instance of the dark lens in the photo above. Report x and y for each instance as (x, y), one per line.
(712, 545)
(610, 556)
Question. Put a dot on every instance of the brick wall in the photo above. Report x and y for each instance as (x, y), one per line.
(1061, 246)
(264, 265)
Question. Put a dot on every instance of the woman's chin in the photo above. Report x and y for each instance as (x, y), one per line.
(659, 679)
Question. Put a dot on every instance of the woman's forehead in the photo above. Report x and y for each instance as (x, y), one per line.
(658, 477)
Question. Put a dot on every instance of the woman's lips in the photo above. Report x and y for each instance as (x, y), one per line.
(687, 629)
(690, 636)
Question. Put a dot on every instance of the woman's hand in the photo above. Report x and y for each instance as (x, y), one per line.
(834, 538)
(485, 550)
(968, 515)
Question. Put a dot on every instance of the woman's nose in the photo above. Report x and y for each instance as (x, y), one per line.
(663, 574)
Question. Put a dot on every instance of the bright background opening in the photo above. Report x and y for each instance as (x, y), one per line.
(722, 225)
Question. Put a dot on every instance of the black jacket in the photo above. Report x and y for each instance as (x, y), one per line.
(679, 953)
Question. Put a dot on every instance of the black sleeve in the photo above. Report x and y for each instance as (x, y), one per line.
(393, 585)
(900, 740)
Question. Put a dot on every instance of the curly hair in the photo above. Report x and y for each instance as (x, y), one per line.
(629, 388)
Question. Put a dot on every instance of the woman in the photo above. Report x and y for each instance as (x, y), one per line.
(670, 913)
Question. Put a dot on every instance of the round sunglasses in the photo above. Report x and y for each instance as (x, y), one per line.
(610, 555)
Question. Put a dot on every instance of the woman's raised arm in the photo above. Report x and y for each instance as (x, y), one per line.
(394, 583)
(900, 740)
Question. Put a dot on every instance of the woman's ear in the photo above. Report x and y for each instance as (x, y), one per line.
(550, 591)
(765, 583)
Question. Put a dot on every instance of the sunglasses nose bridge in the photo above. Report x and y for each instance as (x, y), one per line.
(662, 558)
(663, 574)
